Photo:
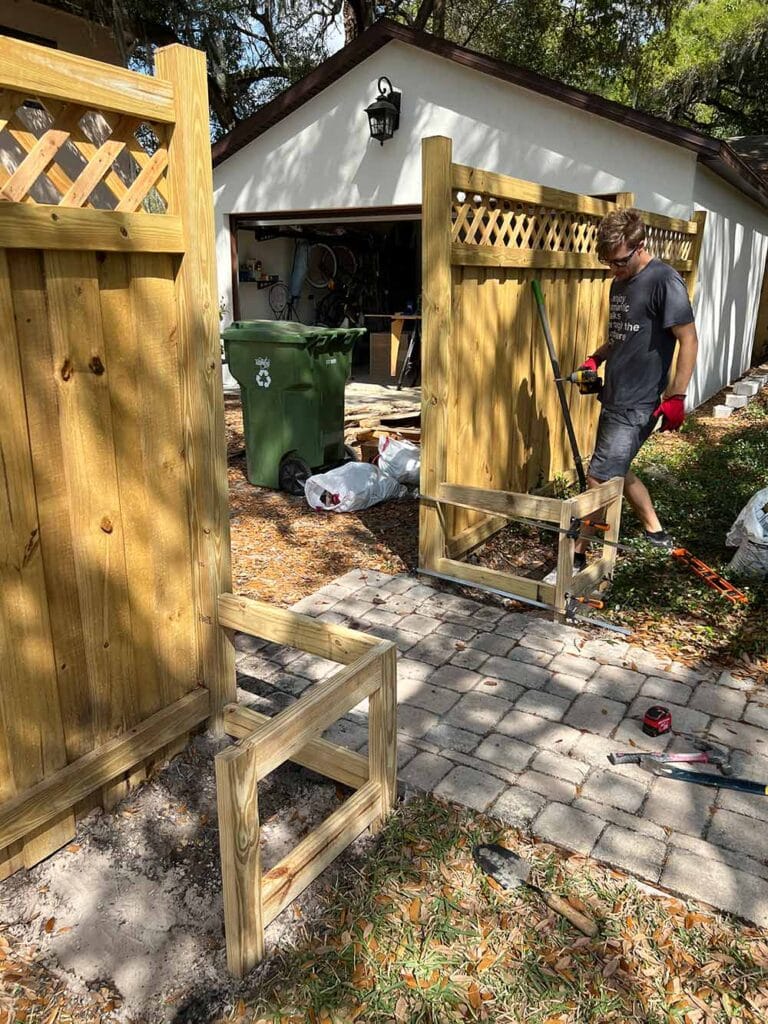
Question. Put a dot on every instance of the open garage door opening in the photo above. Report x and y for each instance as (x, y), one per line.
(336, 270)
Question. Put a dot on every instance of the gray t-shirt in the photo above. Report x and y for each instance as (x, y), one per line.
(642, 345)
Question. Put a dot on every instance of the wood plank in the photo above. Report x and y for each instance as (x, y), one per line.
(586, 581)
(700, 218)
(42, 382)
(502, 503)
(382, 735)
(596, 497)
(145, 180)
(611, 535)
(552, 259)
(283, 626)
(436, 338)
(237, 800)
(319, 755)
(190, 189)
(317, 709)
(59, 792)
(501, 186)
(54, 227)
(79, 192)
(30, 713)
(515, 586)
(315, 852)
(565, 552)
(92, 493)
(37, 160)
(40, 71)
(473, 536)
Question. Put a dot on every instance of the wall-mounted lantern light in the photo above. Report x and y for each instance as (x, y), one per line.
(384, 112)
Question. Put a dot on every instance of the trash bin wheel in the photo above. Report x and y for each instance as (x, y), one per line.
(293, 474)
(350, 454)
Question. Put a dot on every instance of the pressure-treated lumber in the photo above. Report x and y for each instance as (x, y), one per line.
(319, 755)
(589, 501)
(499, 256)
(57, 793)
(520, 586)
(472, 179)
(283, 626)
(39, 71)
(190, 196)
(293, 874)
(24, 226)
(502, 503)
(382, 734)
(319, 708)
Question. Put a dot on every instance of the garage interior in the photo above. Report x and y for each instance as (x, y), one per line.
(335, 270)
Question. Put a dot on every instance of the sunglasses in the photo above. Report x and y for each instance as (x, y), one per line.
(622, 261)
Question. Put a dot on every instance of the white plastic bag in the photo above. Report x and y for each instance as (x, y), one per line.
(750, 533)
(400, 459)
(350, 487)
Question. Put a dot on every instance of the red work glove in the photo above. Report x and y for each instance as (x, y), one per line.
(673, 412)
(590, 363)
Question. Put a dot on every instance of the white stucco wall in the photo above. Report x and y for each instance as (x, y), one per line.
(731, 268)
(321, 156)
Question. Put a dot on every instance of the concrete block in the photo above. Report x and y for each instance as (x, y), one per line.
(531, 676)
(421, 624)
(424, 771)
(455, 631)
(631, 851)
(538, 702)
(719, 701)
(736, 401)
(517, 807)
(568, 687)
(722, 412)
(506, 751)
(568, 827)
(538, 731)
(568, 768)
(436, 699)
(491, 643)
(607, 786)
(756, 714)
(727, 678)
(449, 739)
(501, 688)
(469, 787)
(574, 665)
(529, 656)
(595, 714)
(415, 721)
(469, 659)
(665, 688)
(548, 786)
(615, 682)
(741, 735)
(541, 642)
(726, 888)
(680, 806)
(738, 832)
(711, 852)
(456, 678)
(746, 387)
(432, 649)
(477, 712)
(633, 822)
(513, 624)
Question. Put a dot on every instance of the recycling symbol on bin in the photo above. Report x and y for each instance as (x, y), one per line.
(262, 378)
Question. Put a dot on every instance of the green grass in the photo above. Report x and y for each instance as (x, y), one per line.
(414, 933)
(699, 480)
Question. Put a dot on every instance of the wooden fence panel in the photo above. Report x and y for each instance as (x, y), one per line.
(491, 415)
(114, 542)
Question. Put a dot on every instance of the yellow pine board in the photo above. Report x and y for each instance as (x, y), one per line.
(25, 226)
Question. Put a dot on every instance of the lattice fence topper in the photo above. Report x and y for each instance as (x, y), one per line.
(64, 154)
(482, 220)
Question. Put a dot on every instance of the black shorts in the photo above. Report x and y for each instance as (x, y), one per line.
(620, 435)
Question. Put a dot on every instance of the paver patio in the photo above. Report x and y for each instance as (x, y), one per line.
(514, 715)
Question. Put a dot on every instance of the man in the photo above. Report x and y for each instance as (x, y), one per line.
(650, 313)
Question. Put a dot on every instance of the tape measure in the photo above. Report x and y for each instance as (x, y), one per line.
(657, 720)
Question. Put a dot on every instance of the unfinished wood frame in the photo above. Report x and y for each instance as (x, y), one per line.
(491, 417)
(114, 530)
(561, 514)
(252, 900)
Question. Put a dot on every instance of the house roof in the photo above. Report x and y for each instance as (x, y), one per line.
(753, 149)
(715, 154)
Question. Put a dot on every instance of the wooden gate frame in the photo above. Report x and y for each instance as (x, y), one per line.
(252, 900)
(515, 224)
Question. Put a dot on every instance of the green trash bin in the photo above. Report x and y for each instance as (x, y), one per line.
(292, 380)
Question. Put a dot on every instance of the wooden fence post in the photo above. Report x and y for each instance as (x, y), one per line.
(700, 216)
(436, 157)
(382, 727)
(190, 184)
